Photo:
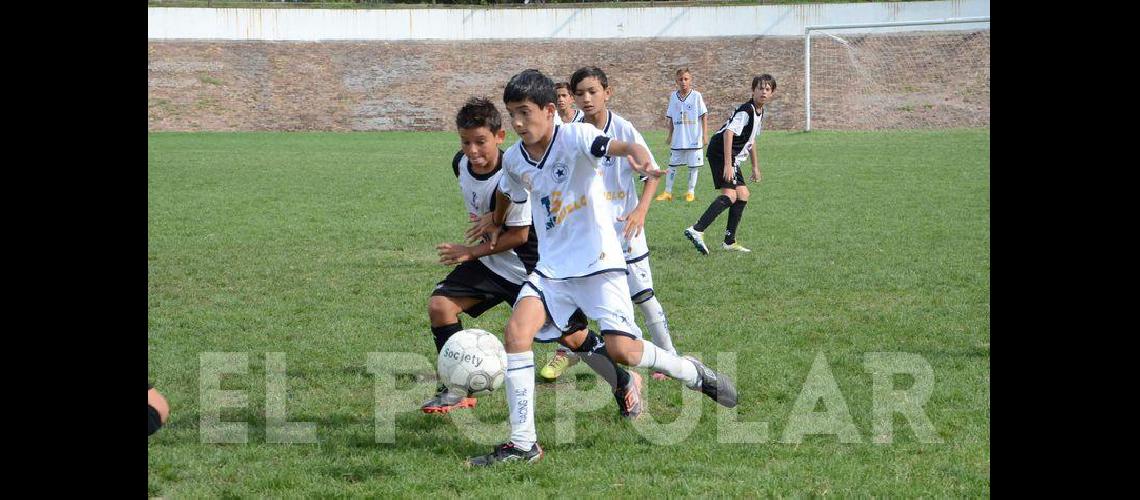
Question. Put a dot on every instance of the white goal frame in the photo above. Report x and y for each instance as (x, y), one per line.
(807, 47)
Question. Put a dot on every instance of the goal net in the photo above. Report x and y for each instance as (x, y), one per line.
(891, 76)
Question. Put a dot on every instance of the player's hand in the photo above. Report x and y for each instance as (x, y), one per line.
(647, 168)
(481, 228)
(453, 253)
(756, 177)
(728, 174)
(634, 222)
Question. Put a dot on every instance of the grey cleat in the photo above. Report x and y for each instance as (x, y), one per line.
(714, 385)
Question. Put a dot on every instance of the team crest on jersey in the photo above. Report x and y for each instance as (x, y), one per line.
(561, 172)
(475, 199)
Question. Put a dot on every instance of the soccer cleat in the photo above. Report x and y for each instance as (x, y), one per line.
(507, 452)
(665, 196)
(558, 365)
(690, 197)
(629, 397)
(660, 376)
(714, 385)
(445, 401)
(698, 239)
(735, 247)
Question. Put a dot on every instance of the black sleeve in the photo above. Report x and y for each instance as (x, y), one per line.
(600, 146)
(455, 162)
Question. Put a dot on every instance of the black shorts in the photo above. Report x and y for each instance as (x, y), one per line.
(716, 164)
(473, 279)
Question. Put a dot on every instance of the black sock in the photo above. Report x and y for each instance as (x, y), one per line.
(593, 352)
(715, 208)
(734, 214)
(442, 333)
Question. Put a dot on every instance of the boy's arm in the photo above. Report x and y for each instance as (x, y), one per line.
(635, 220)
(705, 129)
(728, 158)
(669, 131)
(454, 253)
(638, 157)
(490, 223)
(755, 163)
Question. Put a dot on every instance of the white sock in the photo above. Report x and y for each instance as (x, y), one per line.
(658, 325)
(669, 364)
(520, 398)
(693, 178)
(669, 179)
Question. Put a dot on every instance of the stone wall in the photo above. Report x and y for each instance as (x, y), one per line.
(227, 86)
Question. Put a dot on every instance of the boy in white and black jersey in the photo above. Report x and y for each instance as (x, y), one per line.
(581, 267)
(729, 146)
(687, 133)
(592, 93)
(564, 105)
(487, 275)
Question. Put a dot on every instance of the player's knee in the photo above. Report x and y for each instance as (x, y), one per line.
(726, 198)
(623, 349)
(158, 402)
(742, 194)
(574, 341)
(518, 335)
(442, 311)
(514, 341)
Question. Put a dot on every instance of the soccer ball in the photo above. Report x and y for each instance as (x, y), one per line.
(472, 361)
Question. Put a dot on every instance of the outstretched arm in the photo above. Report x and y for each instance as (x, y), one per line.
(455, 253)
(638, 157)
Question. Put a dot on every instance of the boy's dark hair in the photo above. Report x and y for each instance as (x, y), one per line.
(530, 85)
(563, 85)
(586, 72)
(683, 71)
(479, 112)
(756, 81)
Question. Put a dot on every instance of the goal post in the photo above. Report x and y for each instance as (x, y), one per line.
(912, 74)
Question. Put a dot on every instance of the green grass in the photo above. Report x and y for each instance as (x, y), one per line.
(321, 246)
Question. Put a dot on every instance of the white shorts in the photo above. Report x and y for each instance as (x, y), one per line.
(690, 157)
(602, 297)
(640, 277)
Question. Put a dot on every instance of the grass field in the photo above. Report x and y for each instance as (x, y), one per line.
(321, 246)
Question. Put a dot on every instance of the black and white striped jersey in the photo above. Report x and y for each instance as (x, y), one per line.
(745, 124)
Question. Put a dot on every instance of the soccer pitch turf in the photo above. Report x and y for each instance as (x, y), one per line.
(321, 246)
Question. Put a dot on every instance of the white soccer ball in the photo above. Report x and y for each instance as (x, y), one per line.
(472, 361)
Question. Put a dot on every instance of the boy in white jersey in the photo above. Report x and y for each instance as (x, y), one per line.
(564, 104)
(581, 268)
(687, 133)
(487, 275)
(591, 93)
(728, 148)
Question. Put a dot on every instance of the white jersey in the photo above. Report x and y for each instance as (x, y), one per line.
(479, 198)
(620, 182)
(686, 116)
(578, 114)
(569, 209)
